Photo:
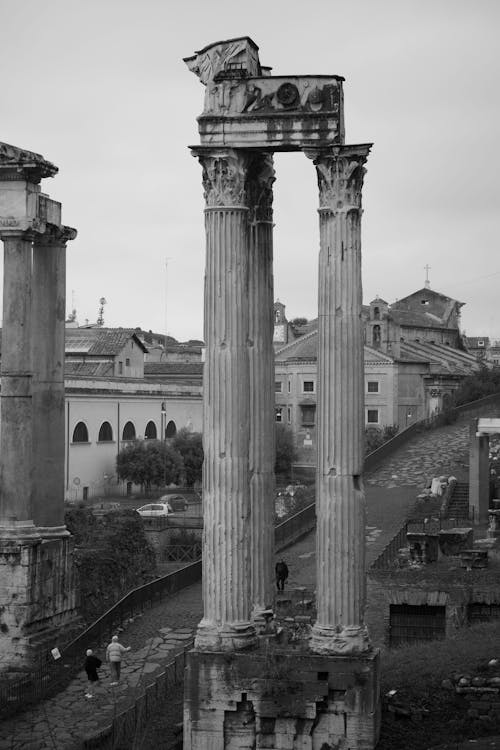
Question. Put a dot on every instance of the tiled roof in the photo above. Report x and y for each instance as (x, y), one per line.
(173, 368)
(88, 369)
(305, 347)
(99, 341)
(416, 319)
(445, 358)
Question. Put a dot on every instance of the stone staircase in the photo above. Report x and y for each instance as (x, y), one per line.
(459, 502)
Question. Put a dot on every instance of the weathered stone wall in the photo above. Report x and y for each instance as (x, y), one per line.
(479, 694)
(37, 588)
(277, 699)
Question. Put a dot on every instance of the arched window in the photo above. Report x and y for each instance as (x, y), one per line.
(150, 433)
(80, 433)
(376, 313)
(105, 433)
(128, 431)
(376, 336)
(171, 429)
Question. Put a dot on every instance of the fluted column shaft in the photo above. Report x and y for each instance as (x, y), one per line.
(340, 505)
(226, 407)
(261, 361)
(16, 396)
(49, 306)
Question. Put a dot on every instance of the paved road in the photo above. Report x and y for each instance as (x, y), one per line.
(63, 721)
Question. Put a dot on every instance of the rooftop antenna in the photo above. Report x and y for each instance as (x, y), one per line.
(100, 317)
(166, 305)
(427, 282)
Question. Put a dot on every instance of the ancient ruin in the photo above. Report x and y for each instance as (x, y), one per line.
(241, 689)
(37, 591)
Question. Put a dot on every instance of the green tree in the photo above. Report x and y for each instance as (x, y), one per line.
(286, 452)
(484, 382)
(190, 446)
(149, 463)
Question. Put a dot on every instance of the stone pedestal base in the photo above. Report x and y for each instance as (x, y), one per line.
(37, 594)
(280, 699)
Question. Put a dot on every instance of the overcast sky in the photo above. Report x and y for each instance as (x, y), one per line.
(99, 88)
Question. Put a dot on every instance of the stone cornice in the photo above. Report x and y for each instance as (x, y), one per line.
(17, 163)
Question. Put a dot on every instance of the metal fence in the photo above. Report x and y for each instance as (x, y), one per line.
(51, 676)
(294, 527)
(129, 723)
(181, 552)
(390, 552)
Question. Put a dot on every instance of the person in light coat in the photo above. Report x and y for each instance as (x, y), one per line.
(114, 655)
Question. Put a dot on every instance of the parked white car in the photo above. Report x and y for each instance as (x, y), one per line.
(154, 510)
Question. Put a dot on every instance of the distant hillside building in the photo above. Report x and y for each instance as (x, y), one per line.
(112, 399)
(414, 361)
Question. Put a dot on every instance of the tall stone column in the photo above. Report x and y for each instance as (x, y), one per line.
(340, 501)
(49, 307)
(16, 430)
(227, 531)
(261, 353)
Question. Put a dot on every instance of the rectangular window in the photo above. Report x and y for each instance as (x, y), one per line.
(120, 368)
(308, 386)
(308, 415)
(278, 386)
(372, 386)
(289, 414)
(372, 416)
(127, 362)
(278, 414)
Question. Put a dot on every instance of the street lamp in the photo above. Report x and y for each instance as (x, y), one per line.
(164, 440)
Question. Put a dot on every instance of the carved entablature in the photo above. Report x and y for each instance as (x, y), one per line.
(340, 175)
(245, 107)
(224, 177)
(274, 95)
(19, 164)
(261, 177)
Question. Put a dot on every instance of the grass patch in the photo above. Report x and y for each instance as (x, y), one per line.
(439, 716)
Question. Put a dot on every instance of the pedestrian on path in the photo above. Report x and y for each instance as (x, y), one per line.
(92, 664)
(114, 653)
(281, 574)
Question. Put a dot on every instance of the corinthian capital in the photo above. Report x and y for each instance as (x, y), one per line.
(340, 173)
(260, 181)
(224, 176)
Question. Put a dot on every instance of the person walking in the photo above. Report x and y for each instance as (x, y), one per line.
(114, 653)
(281, 574)
(92, 664)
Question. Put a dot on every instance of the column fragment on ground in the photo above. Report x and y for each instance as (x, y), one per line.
(261, 360)
(16, 397)
(340, 506)
(226, 406)
(49, 306)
